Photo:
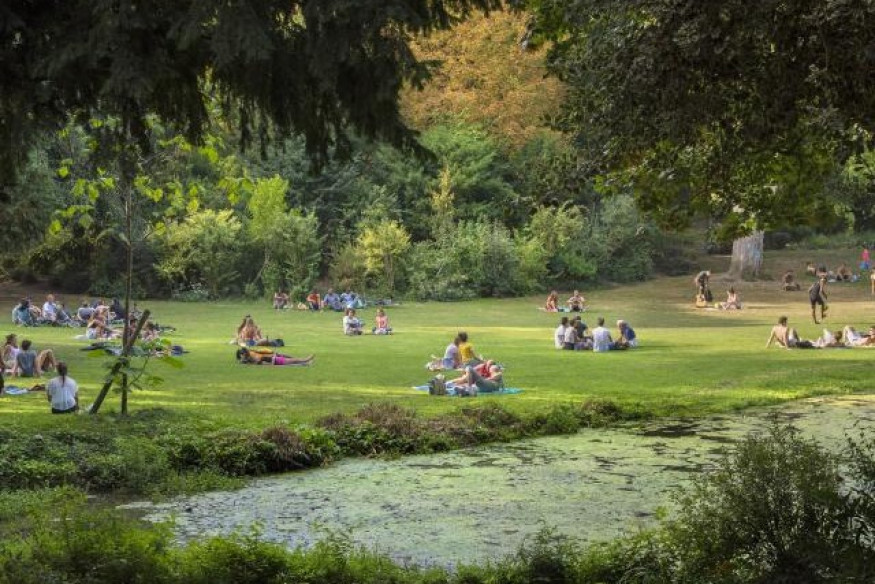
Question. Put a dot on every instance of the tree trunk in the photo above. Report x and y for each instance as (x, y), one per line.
(747, 257)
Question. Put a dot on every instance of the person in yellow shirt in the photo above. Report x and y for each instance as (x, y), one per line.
(466, 351)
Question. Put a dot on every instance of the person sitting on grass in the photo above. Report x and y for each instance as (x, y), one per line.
(733, 302)
(626, 337)
(789, 283)
(843, 273)
(601, 337)
(21, 314)
(280, 300)
(30, 364)
(584, 339)
(10, 353)
(63, 392)
(314, 301)
(571, 339)
(247, 356)
(450, 360)
(84, 313)
(466, 351)
(786, 337)
(577, 303)
(552, 303)
(381, 323)
(352, 325)
(248, 332)
(817, 295)
(559, 333)
(332, 301)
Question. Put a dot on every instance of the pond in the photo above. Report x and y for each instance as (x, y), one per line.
(474, 505)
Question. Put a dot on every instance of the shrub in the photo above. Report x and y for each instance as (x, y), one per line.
(772, 511)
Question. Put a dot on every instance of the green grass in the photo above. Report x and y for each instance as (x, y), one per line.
(691, 362)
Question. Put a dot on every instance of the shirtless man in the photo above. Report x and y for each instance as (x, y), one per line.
(782, 334)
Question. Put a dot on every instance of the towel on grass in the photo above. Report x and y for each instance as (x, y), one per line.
(15, 390)
(451, 391)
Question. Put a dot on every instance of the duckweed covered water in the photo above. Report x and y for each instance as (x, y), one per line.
(474, 505)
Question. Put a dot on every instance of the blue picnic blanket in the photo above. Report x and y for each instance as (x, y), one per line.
(451, 391)
(15, 390)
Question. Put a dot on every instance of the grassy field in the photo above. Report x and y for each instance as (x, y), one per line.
(691, 361)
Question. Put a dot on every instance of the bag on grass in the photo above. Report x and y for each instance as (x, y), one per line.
(437, 385)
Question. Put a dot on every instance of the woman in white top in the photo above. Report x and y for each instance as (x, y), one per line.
(559, 333)
(62, 392)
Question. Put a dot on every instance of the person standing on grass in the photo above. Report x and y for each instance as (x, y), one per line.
(817, 295)
(62, 392)
(865, 259)
(702, 280)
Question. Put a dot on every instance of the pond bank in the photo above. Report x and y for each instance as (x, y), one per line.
(472, 505)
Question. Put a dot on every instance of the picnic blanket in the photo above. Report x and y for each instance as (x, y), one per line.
(15, 390)
(451, 391)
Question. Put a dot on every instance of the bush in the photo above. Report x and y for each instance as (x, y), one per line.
(772, 511)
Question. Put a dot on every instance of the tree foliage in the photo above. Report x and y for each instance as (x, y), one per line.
(308, 67)
(708, 106)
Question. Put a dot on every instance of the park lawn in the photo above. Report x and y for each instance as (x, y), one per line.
(691, 362)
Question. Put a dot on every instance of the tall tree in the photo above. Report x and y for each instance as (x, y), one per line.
(306, 66)
(735, 108)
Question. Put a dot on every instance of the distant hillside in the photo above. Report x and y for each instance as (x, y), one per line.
(485, 79)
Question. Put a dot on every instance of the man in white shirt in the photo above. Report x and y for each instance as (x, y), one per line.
(601, 337)
(50, 309)
(62, 392)
(559, 333)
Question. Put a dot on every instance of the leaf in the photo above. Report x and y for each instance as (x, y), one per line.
(63, 172)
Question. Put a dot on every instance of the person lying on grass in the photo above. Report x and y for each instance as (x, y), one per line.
(487, 377)
(248, 356)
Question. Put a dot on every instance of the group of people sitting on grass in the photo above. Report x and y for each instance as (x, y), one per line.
(353, 325)
(842, 273)
(478, 375)
(314, 301)
(573, 335)
(254, 348)
(25, 361)
(782, 335)
(576, 303)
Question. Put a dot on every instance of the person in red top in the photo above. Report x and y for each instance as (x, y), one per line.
(314, 302)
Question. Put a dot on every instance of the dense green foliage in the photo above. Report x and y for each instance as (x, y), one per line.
(313, 68)
(735, 109)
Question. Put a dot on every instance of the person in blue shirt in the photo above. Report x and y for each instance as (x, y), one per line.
(626, 338)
